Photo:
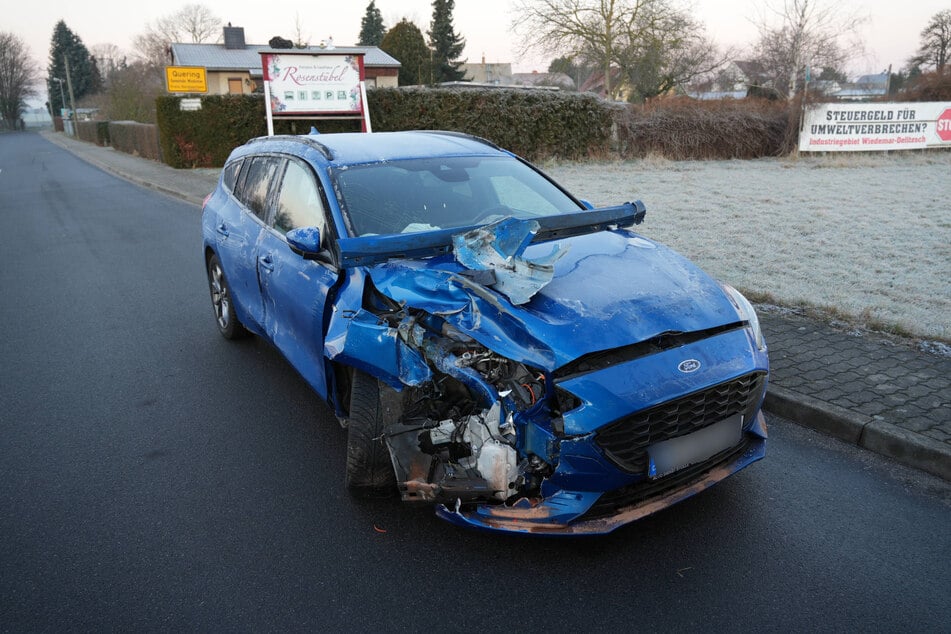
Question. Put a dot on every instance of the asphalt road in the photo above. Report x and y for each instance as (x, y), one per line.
(154, 476)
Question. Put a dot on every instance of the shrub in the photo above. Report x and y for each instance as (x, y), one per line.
(140, 139)
(933, 86)
(534, 124)
(683, 128)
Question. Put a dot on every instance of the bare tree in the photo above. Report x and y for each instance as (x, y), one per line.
(801, 33)
(935, 47)
(18, 77)
(132, 93)
(301, 39)
(650, 45)
(668, 50)
(193, 23)
(109, 58)
(590, 29)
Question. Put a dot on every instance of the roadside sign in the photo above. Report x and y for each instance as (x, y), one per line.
(305, 85)
(943, 125)
(185, 79)
(193, 103)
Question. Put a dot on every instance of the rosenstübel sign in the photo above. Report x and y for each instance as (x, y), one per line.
(314, 84)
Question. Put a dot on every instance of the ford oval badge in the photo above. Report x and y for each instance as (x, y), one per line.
(688, 366)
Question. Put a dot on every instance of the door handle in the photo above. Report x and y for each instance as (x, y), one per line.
(266, 262)
(223, 229)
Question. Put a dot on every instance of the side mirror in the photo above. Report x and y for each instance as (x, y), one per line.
(304, 241)
(586, 204)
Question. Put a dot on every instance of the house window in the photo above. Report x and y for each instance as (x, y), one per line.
(234, 86)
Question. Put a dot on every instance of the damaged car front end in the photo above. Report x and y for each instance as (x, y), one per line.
(516, 417)
(551, 373)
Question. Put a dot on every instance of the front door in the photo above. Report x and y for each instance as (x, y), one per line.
(295, 290)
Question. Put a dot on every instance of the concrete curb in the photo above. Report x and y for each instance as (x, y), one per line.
(883, 438)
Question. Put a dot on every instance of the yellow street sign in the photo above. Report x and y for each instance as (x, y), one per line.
(185, 79)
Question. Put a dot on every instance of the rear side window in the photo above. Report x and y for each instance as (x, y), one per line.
(299, 203)
(253, 191)
(229, 176)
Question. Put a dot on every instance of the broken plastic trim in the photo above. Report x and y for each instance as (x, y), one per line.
(366, 250)
(499, 248)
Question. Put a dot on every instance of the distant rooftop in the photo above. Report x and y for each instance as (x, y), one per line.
(217, 57)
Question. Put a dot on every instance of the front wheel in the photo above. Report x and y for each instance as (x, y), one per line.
(369, 470)
(227, 321)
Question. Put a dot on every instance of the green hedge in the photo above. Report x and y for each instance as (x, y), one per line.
(534, 124)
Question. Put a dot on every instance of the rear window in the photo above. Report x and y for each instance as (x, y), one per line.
(436, 193)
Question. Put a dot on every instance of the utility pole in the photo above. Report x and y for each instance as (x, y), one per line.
(72, 100)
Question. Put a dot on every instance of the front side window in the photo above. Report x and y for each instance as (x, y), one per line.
(417, 195)
(299, 203)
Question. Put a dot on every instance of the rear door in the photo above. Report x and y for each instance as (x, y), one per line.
(239, 229)
(294, 290)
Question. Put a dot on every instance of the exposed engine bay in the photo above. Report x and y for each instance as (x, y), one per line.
(456, 440)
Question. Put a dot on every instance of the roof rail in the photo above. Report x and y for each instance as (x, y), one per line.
(301, 138)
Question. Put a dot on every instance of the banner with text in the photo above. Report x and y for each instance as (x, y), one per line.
(845, 127)
(314, 84)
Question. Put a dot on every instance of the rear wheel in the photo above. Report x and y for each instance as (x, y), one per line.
(227, 321)
(369, 470)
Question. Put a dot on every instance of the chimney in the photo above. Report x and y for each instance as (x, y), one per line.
(234, 37)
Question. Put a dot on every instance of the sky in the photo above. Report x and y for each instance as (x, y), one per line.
(891, 34)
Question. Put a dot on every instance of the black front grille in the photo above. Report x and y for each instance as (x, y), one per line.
(613, 502)
(625, 441)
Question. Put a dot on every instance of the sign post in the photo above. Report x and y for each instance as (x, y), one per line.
(303, 85)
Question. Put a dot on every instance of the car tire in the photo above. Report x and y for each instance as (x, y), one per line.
(369, 470)
(221, 302)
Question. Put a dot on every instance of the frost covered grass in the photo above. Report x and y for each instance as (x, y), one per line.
(861, 237)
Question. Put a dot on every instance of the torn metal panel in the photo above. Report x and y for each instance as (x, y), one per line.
(361, 339)
(499, 247)
(467, 306)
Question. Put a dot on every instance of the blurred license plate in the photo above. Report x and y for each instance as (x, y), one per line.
(675, 454)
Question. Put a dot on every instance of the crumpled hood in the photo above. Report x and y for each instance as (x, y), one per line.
(611, 289)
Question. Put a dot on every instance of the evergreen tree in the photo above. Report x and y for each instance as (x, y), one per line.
(447, 45)
(405, 42)
(371, 26)
(67, 45)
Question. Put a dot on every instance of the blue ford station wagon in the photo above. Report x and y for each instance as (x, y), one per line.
(494, 346)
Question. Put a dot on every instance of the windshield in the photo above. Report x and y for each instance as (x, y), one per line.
(418, 195)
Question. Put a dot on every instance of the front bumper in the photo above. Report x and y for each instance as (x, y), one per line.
(571, 512)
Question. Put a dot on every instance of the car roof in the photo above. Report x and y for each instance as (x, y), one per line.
(351, 148)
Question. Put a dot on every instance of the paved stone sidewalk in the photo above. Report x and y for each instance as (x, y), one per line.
(880, 394)
(861, 387)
